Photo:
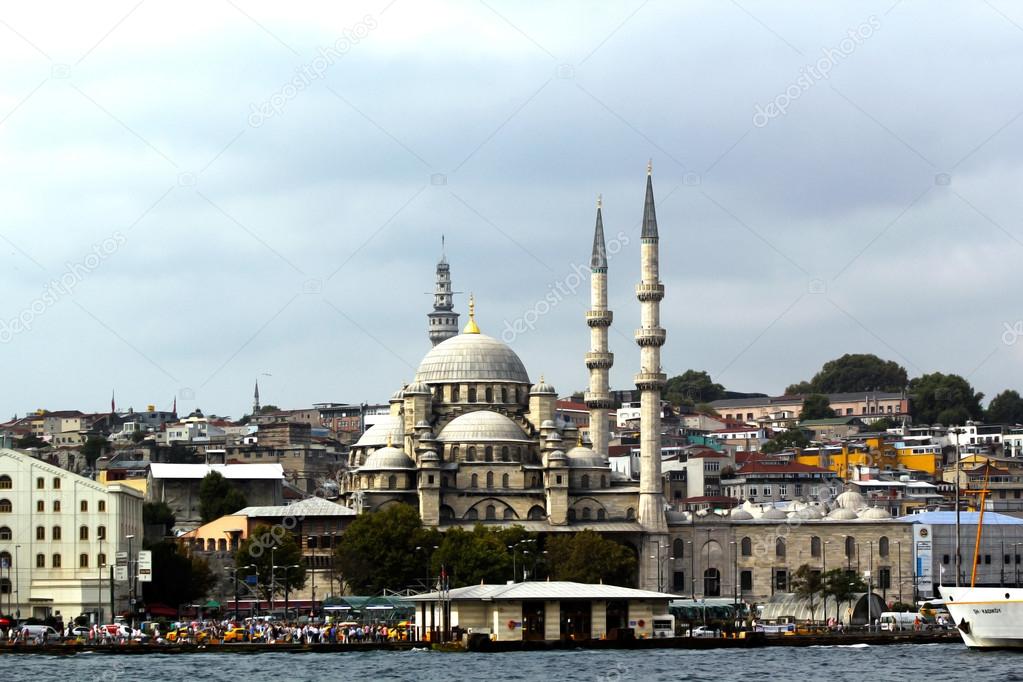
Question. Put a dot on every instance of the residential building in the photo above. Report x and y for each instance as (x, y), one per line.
(178, 485)
(868, 405)
(764, 478)
(834, 427)
(742, 438)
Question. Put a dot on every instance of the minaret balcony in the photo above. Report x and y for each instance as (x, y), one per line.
(653, 336)
(597, 401)
(649, 292)
(598, 360)
(651, 381)
(599, 318)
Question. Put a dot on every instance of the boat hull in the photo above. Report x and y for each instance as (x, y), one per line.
(987, 617)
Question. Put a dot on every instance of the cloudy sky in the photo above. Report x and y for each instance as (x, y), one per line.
(195, 195)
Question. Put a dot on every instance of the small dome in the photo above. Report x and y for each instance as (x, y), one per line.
(557, 455)
(387, 426)
(398, 395)
(429, 456)
(740, 514)
(422, 424)
(417, 388)
(543, 388)
(851, 499)
(554, 437)
(583, 457)
(773, 514)
(388, 458)
(808, 514)
(875, 514)
(547, 424)
(482, 425)
(842, 514)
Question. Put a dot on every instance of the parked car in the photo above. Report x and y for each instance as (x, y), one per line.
(236, 635)
(40, 633)
(704, 631)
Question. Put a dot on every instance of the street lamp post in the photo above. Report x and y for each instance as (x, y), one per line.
(234, 573)
(273, 583)
(692, 568)
(17, 575)
(287, 587)
(735, 578)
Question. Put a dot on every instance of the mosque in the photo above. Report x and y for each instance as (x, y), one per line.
(472, 439)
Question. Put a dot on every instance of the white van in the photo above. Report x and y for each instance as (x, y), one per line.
(39, 633)
(893, 621)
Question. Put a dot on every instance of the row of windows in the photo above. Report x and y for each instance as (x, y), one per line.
(781, 547)
(6, 507)
(507, 454)
(986, 559)
(472, 394)
(779, 580)
(83, 533)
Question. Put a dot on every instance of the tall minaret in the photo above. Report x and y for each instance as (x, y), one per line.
(650, 380)
(598, 360)
(255, 399)
(443, 321)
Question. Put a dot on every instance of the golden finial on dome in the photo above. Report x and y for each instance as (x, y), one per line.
(580, 443)
(390, 440)
(471, 327)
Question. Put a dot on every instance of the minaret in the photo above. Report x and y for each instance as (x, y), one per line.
(443, 321)
(598, 360)
(650, 380)
(255, 399)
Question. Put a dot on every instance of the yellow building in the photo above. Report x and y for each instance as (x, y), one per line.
(875, 453)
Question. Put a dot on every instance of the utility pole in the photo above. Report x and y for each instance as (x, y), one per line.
(958, 560)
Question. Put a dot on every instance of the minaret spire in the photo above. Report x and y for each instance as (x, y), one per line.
(255, 399)
(442, 321)
(598, 360)
(650, 381)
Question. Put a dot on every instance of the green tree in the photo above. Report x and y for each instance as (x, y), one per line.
(177, 579)
(793, 438)
(277, 557)
(471, 557)
(158, 513)
(802, 388)
(32, 441)
(1006, 408)
(138, 436)
(587, 557)
(692, 387)
(379, 550)
(808, 584)
(883, 424)
(947, 399)
(93, 449)
(842, 586)
(856, 372)
(217, 497)
(269, 409)
(816, 406)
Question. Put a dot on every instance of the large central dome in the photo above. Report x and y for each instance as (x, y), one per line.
(471, 357)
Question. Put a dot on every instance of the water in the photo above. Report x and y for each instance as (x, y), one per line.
(826, 664)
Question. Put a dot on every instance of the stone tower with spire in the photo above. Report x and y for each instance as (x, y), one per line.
(650, 380)
(255, 399)
(598, 360)
(443, 321)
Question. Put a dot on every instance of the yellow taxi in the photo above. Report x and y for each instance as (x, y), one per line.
(236, 635)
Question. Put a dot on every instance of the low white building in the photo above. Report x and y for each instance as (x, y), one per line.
(59, 533)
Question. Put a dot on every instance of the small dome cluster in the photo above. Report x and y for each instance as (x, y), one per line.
(849, 506)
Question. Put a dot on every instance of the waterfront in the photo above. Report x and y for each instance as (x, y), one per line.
(830, 663)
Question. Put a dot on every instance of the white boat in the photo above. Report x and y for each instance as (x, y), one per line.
(987, 617)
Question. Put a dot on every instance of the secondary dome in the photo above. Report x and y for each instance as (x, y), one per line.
(851, 499)
(740, 514)
(471, 357)
(808, 514)
(481, 425)
(388, 458)
(842, 514)
(387, 426)
(773, 514)
(875, 514)
(585, 458)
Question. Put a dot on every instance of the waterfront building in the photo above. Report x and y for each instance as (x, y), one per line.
(541, 611)
(868, 405)
(59, 534)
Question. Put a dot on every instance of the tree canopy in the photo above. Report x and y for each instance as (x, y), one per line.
(277, 559)
(33, 441)
(853, 373)
(692, 387)
(385, 549)
(816, 406)
(588, 557)
(947, 399)
(158, 513)
(843, 585)
(485, 555)
(217, 497)
(1006, 408)
(808, 584)
(93, 449)
(177, 577)
(792, 438)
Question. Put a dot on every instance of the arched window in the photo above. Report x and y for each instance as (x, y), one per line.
(84, 506)
(83, 561)
(882, 546)
(536, 513)
(454, 453)
(40, 561)
(83, 533)
(850, 547)
(470, 455)
(101, 560)
(504, 394)
(5, 586)
(509, 513)
(40, 533)
(815, 546)
(678, 549)
(102, 506)
(474, 481)
(490, 479)
(56, 483)
(585, 481)
(56, 506)
(491, 513)
(712, 583)
(40, 506)
(455, 394)
(5, 483)
(56, 561)
(488, 454)
(6, 507)
(746, 547)
(392, 482)
(40, 483)
(571, 514)
(601, 514)
(534, 481)
(211, 545)
(101, 532)
(222, 544)
(5, 559)
(56, 533)
(472, 515)
(5, 533)
(586, 513)
(504, 453)
(489, 393)
(505, 481)
(779, 547)
(630, 514)
(472, 394)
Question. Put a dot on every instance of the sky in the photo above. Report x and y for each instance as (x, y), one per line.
(197, 195)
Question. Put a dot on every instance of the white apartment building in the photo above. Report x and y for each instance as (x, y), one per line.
(59, 533)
